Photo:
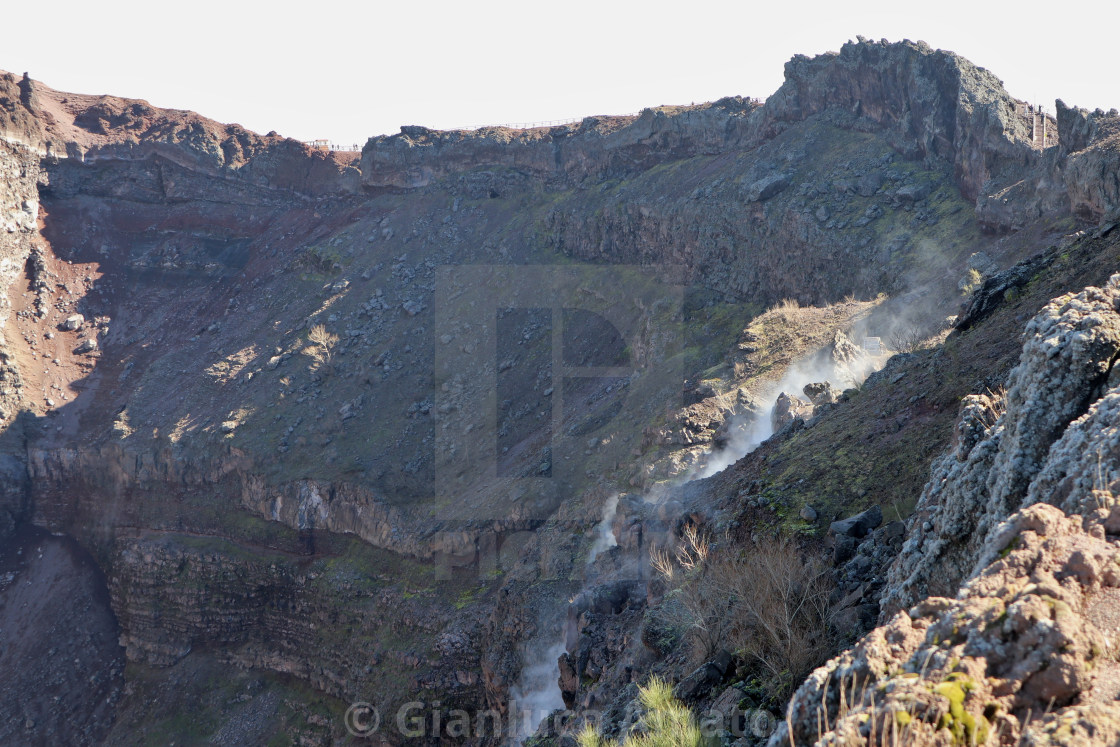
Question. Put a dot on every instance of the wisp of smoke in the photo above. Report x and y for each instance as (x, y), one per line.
(604, 534)
(745, 437)
(537, 691)
(538, 688)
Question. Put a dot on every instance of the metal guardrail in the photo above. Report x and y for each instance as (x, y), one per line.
(534, 125)
(326, 145)
(558, 122)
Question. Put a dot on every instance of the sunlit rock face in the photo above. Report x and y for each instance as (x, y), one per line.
(305, 504)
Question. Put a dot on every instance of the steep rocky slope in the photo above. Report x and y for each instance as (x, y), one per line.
(316, 512)
(1021, 512)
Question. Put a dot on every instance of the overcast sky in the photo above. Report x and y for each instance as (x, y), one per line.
(345, 71)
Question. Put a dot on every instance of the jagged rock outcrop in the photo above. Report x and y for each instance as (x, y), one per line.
(20, 113)
(931, 103)
(1020, 640)
(787, 409)
(821, 393)
(1023, 512)
(1071, 347)
(850, 362)
(936, 104)
(997, 287)
(1089, 149)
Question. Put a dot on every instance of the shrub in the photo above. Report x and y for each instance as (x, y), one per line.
(666, 722)
(768, 604)
(320, 348)
(906, 339)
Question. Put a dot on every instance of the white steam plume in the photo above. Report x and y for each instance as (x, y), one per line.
(537, 692)
(604, 534)
(746, 436)
(538, 688)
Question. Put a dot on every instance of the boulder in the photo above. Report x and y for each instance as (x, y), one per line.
(767, 187)
(913, 192)
(869, 184)
(982, 263)
(821, 393)
(568, 680)
(859, 525)
(698, 684)
(843, 549)
(787, 409)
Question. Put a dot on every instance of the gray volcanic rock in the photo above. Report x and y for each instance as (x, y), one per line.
(1020, 637)
(932, 103)
(1090, 146)
(928, 103)
(858, 525)
(595, 146)
(1028, 631)
(787, 409)
(1071, 345)
(995, 288)
(821, 393)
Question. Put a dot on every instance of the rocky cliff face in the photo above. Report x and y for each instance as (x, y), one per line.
(19, 234)
(931, 103)
(1089, 142)
(591, 150)
(1020, 517)
(919, 104)
(258, 498)
(928, 103)
(1070, 350)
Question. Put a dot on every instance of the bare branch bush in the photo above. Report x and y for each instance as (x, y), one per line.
(768, 603)
(320, 348)
(906, 339)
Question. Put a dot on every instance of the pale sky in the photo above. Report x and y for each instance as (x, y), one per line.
(346, 71)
